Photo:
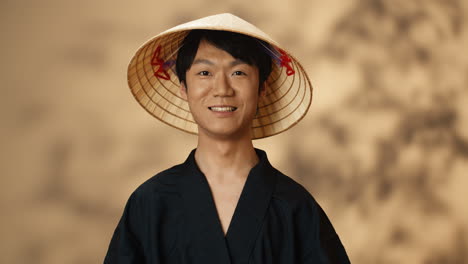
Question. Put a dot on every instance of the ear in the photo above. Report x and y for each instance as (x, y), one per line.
(183, 90)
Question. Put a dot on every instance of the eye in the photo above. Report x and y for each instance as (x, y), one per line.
(204, 73)
(238, 73)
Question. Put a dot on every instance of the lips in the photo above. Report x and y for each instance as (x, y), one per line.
(222, 108)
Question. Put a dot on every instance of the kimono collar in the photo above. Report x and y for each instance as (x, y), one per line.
(204, 231)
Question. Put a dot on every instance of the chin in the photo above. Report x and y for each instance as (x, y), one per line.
(224, 133)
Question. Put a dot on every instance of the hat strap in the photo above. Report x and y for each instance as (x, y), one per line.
(280, 57)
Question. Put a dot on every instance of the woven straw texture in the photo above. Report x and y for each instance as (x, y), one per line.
(287, 99)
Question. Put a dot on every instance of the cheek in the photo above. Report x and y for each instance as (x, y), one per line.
(194, 93)
(198, 87)
(251, 102)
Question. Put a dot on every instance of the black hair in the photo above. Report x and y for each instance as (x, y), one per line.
(245, 48)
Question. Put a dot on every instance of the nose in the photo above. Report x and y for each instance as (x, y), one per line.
(223, 87)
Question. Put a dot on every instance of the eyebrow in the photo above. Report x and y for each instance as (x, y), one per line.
(202, 61)
(237, 62)
(206, 61)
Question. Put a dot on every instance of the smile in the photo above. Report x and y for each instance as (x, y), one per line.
(222, 108)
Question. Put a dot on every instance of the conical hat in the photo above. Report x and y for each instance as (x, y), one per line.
(154, 84)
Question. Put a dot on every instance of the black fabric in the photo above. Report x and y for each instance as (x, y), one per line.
(172, 218)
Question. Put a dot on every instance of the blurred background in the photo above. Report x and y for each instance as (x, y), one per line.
(384, 148)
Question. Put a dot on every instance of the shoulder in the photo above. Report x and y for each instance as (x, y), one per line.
(156, 197)
(292, 194)
(164, 183)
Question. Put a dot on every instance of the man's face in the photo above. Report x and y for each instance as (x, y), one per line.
(222, 93)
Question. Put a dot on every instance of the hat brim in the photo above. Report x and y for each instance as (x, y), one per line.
(287, 99)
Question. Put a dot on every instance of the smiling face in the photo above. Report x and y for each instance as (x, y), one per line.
(222, 93)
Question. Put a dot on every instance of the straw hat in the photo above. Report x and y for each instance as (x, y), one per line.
(154, 84)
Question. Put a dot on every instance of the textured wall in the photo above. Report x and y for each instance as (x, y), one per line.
(384, 147)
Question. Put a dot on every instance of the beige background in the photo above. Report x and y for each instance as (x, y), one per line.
(384, 147)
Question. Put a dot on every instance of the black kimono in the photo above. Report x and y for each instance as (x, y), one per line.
(172, 218)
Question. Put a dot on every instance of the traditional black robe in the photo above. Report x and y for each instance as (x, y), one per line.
(172, 218)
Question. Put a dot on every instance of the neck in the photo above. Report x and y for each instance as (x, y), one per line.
(225, 160)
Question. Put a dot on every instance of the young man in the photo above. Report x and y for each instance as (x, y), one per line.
(225, 203)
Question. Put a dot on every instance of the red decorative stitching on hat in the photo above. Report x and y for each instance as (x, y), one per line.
(160, 71)
(286, 62)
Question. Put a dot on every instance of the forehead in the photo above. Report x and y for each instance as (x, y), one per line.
(206, 48)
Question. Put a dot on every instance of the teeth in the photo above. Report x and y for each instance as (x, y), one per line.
(222, 108)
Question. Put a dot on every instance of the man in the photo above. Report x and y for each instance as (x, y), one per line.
(225, 203)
